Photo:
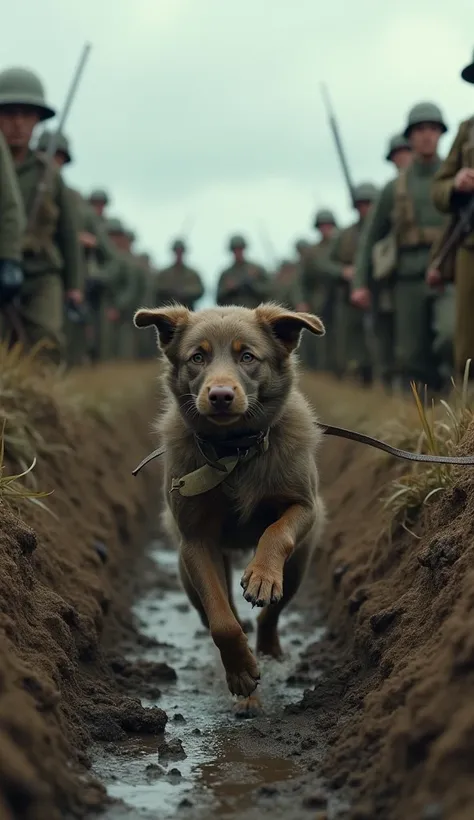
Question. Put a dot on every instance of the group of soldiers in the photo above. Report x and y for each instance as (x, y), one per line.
(70, 277)
(395, 288)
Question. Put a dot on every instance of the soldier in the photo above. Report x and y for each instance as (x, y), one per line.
(353, 354)
(51, 253)
(125, 294)
(423, 317)
(12, 225)
(453, 187)
(318, 276)
(87, 331)
(146, 342)
(178, 282)
(99, 200)
(243, 283)
(399, 152)
(287, 286)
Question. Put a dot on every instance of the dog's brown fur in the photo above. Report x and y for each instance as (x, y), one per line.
(270, 504)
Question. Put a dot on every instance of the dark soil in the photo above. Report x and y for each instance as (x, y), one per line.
(62, 580)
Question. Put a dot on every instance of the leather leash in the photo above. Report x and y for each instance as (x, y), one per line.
(360, 438)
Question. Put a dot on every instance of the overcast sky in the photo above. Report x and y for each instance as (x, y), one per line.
(206, 116)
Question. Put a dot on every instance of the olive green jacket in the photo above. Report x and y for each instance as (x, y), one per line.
(244, 283)
(412, 262)
(461, 155)
(287, 287)
(12, 212)
(318, 271)
(178, 283)
(52, 246)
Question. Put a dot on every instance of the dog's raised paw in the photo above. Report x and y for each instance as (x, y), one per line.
(248, 708)
(261, 588)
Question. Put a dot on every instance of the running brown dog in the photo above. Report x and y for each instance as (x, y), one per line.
(240, 468)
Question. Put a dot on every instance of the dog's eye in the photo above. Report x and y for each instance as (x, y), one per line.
(247, 358)
(197, 358)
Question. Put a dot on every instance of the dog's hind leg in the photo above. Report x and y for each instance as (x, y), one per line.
(268, 642)
(191, 593)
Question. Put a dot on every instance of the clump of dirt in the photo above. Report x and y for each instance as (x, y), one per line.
(395, 697)
(65, 590)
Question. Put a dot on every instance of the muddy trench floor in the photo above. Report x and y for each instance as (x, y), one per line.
(209, 763)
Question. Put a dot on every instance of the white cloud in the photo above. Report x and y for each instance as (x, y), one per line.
(213, 108)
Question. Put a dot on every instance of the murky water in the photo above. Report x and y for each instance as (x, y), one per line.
(223, 766)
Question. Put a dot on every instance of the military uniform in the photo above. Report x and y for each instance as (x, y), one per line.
(12, 213)
(448, 201)
(351, 340)
(178, 282)
(243, 283)
(287, 285)
(124, 299)
(51, 253)
(423, 318)
(318, 276)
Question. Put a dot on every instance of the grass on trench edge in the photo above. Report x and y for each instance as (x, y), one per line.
(442, 429)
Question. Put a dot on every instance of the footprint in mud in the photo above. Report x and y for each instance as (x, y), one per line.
(207, 762)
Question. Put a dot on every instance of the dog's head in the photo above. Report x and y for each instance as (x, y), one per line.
(230, 368)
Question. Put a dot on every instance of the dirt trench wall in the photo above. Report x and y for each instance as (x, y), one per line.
(398, 710)
(61, 584)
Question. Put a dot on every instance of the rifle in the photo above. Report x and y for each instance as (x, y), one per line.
(462, 227)
(10, 310)
(45, 181)
(338, 141)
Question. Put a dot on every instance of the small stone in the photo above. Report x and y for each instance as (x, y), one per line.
(186, 803)
(178, 717)
(382, 620)
(196, 732)
(173, 750)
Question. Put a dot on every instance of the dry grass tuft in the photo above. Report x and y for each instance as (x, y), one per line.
(440, 431)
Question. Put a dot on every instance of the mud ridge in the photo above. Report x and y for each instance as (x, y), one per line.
(396, 699)
(64, 597)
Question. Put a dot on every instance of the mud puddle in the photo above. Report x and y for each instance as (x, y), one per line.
(209, 763)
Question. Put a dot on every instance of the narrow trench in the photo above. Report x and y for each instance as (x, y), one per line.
(213, 765)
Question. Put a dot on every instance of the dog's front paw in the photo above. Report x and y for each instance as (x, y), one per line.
(261, 586)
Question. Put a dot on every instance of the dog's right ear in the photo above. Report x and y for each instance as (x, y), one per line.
(166, 321)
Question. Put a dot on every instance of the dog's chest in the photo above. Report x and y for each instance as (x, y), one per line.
(239, 533)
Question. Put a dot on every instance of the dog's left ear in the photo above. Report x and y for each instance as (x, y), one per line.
(166, 320)
(287, 325)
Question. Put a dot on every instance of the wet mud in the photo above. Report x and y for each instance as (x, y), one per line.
(211, 763)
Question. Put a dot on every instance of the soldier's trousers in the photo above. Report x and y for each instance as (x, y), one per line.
(122, 339)
(38, 316)
(464, 334)
(350, 337)
(424, 332)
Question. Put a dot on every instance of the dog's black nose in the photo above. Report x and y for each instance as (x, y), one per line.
(221, 397)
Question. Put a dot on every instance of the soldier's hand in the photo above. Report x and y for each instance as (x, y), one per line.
(348, 272)
(75, 296)
(361, 298)
(87, 240)
(113, 315)
(464, 180)
(434, 278)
